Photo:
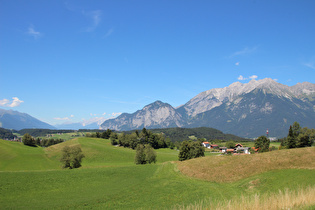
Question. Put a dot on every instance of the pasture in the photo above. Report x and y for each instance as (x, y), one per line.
(31, 177)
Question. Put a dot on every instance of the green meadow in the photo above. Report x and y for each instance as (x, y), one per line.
(31, 178)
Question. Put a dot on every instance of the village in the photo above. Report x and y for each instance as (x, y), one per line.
(238, 149)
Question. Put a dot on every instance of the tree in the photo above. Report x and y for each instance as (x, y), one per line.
(296, 129)
(28, 140)
(191, 150)
(113, 138)
(140, 155)
(106, 134)
(230, 144)
(303, 140)
(184, 151)
(145, 154)
(71, 157)
(262, 143)
(291, 139)
(196, 150)
(150, 154)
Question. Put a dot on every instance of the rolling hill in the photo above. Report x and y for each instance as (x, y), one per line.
(31, 178)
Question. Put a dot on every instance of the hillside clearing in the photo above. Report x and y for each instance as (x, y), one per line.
(232, 168)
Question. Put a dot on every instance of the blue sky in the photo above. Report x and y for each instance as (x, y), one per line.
(72, 60)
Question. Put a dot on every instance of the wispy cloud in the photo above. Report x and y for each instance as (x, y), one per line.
(14, 103)
(95, 16)
(116, 114)
(32, 32)
(61, 118)
(310, 63)
(246, 50)
(109, 32)
(241, 77)
(253, 77)
(64, 118)
(237, 63)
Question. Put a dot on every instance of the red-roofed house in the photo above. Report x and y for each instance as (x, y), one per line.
(206, 144)
(212, 146)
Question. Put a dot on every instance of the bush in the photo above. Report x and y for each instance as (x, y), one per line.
(28, 140)
(145, 154)
(71, 157)
(191, 150)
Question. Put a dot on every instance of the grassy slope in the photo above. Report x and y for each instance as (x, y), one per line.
(232, 168)
(98, 184)
(14, 156)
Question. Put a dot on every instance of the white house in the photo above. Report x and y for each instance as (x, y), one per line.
(206, 144)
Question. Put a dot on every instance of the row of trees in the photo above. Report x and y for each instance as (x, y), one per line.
(6, 134)
(155, 140)
(28, 140)
(298, 137)
(104, 135)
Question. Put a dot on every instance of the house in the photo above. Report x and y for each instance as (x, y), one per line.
(223, 149)
(206, 144)
(213, 146)
(238, 145)
(244, 150)
(230, 150)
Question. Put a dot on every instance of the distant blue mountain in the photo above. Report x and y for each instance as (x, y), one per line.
(10, 119)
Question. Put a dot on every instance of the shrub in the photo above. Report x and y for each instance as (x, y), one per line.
(71, 157)
(145, 154)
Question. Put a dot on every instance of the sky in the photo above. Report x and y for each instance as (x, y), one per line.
(73, 60)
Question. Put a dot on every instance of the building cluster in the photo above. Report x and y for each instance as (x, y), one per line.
(238, 149)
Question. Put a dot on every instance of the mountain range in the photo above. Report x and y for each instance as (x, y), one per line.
(10, 119)
(246, 110)
(93, 123)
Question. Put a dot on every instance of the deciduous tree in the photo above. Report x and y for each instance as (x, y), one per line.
(28, 140)
(262, 143)
(71, 156)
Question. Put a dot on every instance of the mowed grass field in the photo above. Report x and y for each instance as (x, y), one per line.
(31, 178)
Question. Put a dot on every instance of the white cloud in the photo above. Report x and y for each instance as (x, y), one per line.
(244, 51)
(14, 103)
(109, 32)
(241, 78)
(237, 63)
(96, 19)
(115, 114)
(31, 31)
(72, 116)
(253, 77)
(61, 118)
(245, 78)
(104, 113)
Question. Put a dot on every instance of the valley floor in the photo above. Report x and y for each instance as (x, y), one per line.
(110, 179)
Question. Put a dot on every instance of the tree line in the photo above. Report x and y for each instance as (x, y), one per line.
(42, 132)
(132, 140)
(181, 134)
(155, 140)
(298, 137)
(28, 140)
(6, 134)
